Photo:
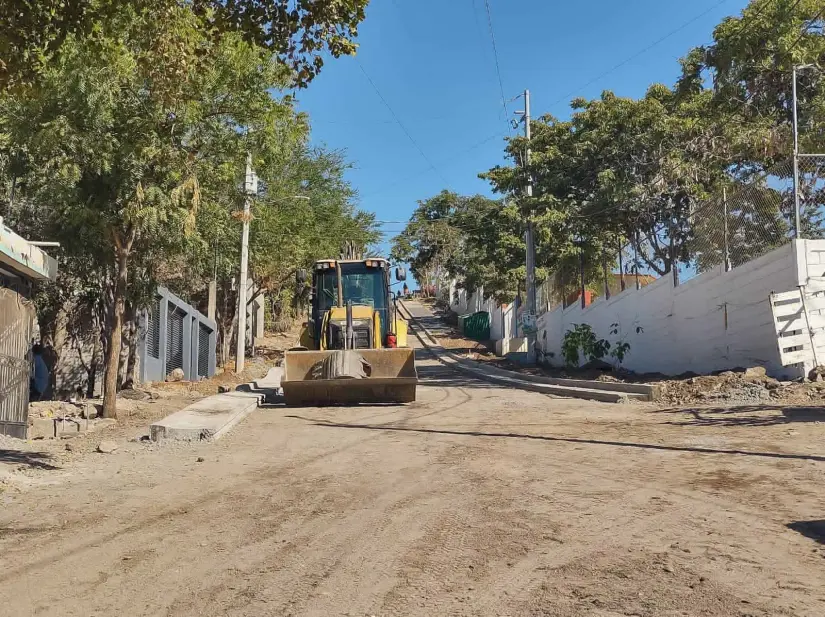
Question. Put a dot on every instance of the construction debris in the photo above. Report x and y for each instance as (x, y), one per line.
(107, 447)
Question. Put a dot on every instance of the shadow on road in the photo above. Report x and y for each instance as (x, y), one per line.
(36, 460)
(576, 440)
(815, 530)
(754, 415)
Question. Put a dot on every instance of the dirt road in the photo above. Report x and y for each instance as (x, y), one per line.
(476, 500)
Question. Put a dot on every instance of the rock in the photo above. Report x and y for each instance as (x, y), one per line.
(107, 447)
(727, 374)
(201, 459)
(771, 384)
(176, 375)
(817, 373)
(89, 411)
(597, 365)
(104, 423)
(69, 447)
(756, 371)
(134, 395)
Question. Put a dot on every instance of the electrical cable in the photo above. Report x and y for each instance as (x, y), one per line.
(807, 27)
(495, 55)
(423, 171)
(641, 52)
(400, 124)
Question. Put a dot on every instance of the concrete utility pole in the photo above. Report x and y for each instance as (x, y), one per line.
(529, 315)
(250, 189)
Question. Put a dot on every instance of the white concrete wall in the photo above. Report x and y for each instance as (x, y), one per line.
(503, 319)
(717, 320)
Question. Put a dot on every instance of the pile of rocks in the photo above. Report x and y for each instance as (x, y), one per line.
(65, 409)
(741, 386)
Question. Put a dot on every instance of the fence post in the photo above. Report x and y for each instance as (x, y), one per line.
(581, 272)
(606, 279)
(725, 228)
(621, 268)
(674, 265)
(636, 259)
(563, 284)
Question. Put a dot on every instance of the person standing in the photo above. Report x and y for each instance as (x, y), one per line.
(40, 374)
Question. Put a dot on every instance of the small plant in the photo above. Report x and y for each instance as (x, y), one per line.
(582, 341)
(621, 348)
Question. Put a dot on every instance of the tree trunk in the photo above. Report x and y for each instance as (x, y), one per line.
(115, 336)
(132, 360)
(94, 364)
(55, 354)
(125, 346)
(226, 320)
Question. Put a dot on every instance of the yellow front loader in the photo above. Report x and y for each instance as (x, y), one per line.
(354, 345)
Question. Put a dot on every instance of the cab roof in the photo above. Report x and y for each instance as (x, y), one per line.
(351, 261)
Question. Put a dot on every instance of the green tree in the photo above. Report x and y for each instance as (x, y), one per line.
(117, 129)
(299, 32)
(430, 238)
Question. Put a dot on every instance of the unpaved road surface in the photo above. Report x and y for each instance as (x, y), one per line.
(476, 500)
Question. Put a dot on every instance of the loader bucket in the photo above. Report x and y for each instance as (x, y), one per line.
(393, 379)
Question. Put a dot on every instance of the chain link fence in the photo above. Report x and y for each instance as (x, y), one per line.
(745, 221)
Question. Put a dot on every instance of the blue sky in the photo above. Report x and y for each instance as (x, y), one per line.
(433, 63)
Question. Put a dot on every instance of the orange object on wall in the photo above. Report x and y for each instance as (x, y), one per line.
(575, 298)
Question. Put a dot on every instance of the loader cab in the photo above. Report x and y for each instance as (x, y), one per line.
(365, 283)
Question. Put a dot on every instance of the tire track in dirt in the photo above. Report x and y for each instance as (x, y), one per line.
(639, 523)
(197, 513)
(68, 525)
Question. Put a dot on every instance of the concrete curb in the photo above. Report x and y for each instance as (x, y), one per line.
(571, 388)
(208, 419)
(212, 417)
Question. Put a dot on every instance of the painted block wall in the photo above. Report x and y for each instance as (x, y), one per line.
(503, 319)
(717, 320)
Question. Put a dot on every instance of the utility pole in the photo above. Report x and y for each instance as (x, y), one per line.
(250, 189)
(529, 315)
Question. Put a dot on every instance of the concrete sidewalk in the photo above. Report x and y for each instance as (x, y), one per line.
(212, 417)
(422, 319)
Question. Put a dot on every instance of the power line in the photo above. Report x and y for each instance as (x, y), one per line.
(807, 27)
(744, 24)
(423, 171)
(400, 124)
(640, 53)
(495, 55)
